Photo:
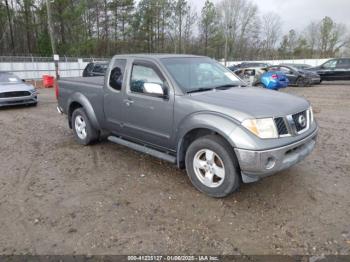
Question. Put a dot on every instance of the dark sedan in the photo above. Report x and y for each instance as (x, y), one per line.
(334, 69)
(298, 77)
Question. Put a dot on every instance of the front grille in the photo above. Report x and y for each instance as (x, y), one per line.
(300, 120)
(14, 94)
(281, 126)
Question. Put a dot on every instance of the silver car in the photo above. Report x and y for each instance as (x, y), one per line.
(14, 91)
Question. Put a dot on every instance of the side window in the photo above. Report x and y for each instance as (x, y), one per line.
(285, 70)
(117, 74)
(143, 74)
(273, 69)
(89, 67)
(98, 69)
(343, 63)
(330, 64)
(239, 72)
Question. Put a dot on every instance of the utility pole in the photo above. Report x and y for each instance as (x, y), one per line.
(52, 38)
(229, 27)
(49, 24)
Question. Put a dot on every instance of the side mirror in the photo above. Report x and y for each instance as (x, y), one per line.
(155, 89)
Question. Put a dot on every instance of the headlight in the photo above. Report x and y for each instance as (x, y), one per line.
(311, 114)
(263, 128)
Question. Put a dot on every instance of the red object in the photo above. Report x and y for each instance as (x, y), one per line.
(48, 81)
(57, 90)
(274, 76)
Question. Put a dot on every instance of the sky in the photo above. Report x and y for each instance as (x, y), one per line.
(297, 14)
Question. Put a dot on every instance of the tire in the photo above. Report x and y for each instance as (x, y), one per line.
(261, 85)
(205, 178)
(87, 133)
(301, 82)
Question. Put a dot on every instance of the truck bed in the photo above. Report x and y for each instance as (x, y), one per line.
(96, 81)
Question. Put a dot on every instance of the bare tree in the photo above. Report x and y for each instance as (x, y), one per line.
(238, 20)
(270, 33)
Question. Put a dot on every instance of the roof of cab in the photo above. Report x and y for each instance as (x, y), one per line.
(156, 56)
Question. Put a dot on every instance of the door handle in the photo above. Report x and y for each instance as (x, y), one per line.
(128, 102)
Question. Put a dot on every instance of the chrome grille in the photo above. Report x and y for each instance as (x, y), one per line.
(14, 94)
(300, 121)
(281, 126)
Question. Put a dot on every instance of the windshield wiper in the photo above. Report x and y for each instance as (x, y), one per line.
(223, 87)
(202, 89)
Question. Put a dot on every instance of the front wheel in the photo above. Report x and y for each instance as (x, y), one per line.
(301, 82)
(84, 132)
(212, 167)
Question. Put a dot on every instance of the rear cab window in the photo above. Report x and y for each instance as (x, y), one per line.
(116, 78)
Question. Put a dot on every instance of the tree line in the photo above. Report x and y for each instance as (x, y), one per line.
(231, 29)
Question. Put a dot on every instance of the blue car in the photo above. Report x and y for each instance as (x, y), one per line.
(261, 77)
(273, 80)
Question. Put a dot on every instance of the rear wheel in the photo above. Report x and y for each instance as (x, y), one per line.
(212, 167)
(84, 132)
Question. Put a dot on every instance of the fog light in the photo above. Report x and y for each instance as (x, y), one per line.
(270, 162)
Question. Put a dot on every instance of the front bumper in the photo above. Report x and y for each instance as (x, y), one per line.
(23, 100)
(257, 164)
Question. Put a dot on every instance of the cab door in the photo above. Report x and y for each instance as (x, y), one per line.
(149, 105)
(327, 70)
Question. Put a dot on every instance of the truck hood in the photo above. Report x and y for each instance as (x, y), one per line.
(13, 87)
(242, 103)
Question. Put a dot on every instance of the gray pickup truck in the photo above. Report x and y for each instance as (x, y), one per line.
(193, 112)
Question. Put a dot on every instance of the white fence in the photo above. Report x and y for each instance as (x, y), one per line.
(36, 68)
(311, 62)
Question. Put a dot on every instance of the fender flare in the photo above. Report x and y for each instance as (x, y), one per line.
(212, 121)
(85, 103)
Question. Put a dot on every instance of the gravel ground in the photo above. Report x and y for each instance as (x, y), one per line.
(57, 197)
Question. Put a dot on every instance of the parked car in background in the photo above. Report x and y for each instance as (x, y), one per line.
(193, 112)
(95, 69)
(250, 75)
(334, 69)
(14, 91)
(263, 78)
(248, 65)
(297, 77)
(298, 66)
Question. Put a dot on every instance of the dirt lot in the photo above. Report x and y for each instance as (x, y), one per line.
(57, 197)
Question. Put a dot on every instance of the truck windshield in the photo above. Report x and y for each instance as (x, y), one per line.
(200, 73)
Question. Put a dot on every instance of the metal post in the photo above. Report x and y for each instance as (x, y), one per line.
(49, 24)
(226, 42)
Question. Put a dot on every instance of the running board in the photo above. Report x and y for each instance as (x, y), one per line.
(143, 149)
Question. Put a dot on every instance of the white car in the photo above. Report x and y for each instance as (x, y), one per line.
(14, 91)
